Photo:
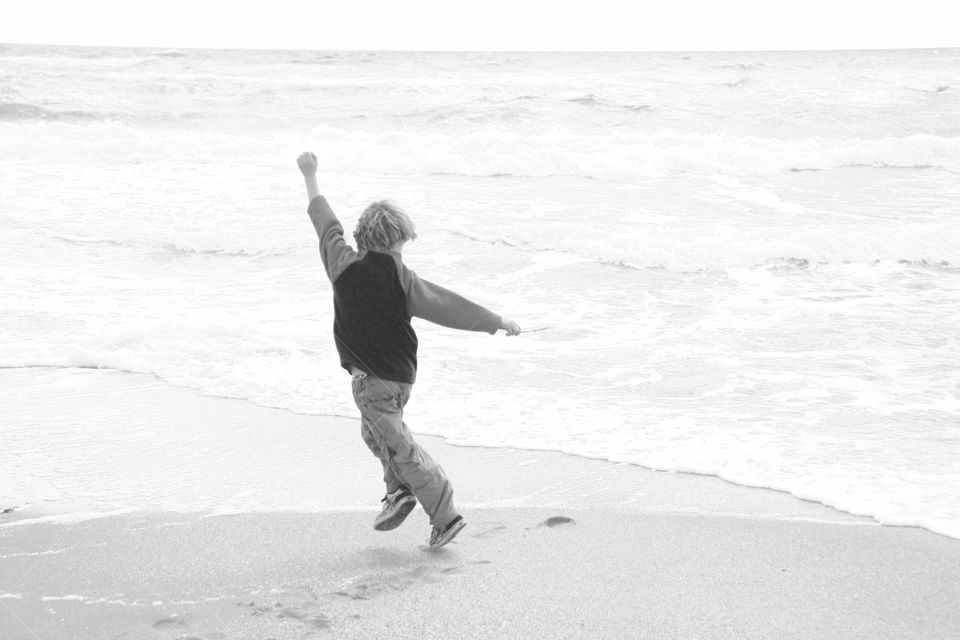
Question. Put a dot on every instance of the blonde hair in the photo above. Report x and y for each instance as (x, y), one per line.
(382, 225)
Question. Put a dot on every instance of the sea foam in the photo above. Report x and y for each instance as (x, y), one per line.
(609, 156)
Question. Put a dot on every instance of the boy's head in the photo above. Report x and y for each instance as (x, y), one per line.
(382, 225)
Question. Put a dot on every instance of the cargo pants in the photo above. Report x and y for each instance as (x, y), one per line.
(405, 463)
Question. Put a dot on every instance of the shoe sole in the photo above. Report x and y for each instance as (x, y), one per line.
(449, 535)
(394, 521)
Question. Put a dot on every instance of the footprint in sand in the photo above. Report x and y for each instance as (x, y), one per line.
(311, 620)
(258, 610)
(375, 586)
(381, 584)
(173, 622)
(556, 521)
(290, 612)
(281, 611)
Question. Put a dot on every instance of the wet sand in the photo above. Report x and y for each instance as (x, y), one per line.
(556, 546)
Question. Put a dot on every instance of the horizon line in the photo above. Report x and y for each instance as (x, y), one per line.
(851, 49)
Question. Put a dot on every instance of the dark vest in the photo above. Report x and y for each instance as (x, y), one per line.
(372, 328)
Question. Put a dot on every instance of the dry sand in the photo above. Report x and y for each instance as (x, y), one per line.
(555, 547)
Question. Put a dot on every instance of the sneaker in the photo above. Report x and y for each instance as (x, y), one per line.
(396, 507)
(440, 537)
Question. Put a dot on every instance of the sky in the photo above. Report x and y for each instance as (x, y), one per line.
(487, 25)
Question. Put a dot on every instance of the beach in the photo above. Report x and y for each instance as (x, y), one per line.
(733, 411)
(556, 546)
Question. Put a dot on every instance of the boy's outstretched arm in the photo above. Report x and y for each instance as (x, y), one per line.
(449, 309)
(334, 250)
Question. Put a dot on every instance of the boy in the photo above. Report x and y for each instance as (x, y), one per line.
(374, 297)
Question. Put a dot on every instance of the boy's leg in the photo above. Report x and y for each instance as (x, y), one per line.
(381, 403)
(399, 501)
(389, 477)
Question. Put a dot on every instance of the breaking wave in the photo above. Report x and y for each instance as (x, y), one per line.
(13, 111)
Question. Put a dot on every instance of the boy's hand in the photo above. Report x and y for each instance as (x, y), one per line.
(511, 327)
(307, 163)
(308, 167)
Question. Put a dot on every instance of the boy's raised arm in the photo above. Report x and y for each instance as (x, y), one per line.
(334, 250)
(308, 167)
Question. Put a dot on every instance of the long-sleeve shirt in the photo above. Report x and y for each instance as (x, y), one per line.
(374, 298)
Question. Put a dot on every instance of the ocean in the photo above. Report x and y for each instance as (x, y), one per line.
(736, 264)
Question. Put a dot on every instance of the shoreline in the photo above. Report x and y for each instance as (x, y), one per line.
(10, 511)
(556, 545)
(91, 395)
